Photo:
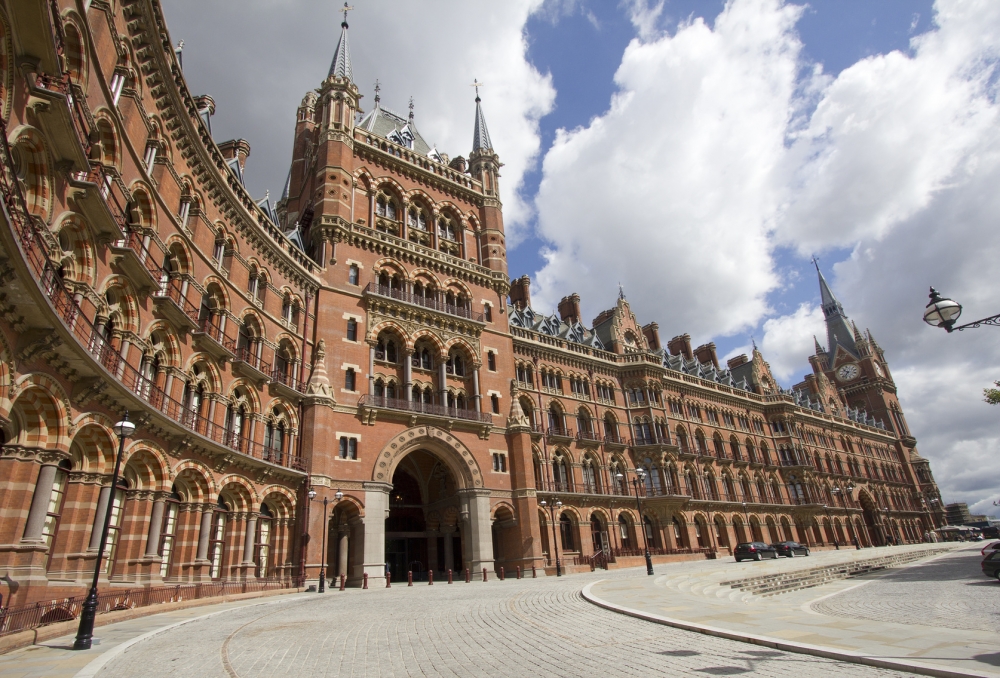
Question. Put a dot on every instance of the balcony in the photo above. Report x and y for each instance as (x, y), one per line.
(420, 408)
(250, 365)
(615, 440)
(372, 289)
(210, 337)
(170, 303)
(62, 118)
(135, 261)
(651, 440)
(584, 436)
(284, 383)
(559, 433)
(92, 194)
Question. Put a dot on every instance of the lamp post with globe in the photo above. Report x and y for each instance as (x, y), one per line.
(944, 312)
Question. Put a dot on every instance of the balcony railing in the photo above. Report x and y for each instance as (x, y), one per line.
(212, 328)
(173, 290)
(560, 432)
(425, 408)
(33, 251)
(652, 439)
(583, 434)
(614, 439)
(285, 377)
(134, 242)
(248, 355)
(426, 302)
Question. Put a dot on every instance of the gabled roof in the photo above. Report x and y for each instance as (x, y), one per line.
(265, 205)
(395, 128)
(554, 327)
(709, 371)
(234, 167)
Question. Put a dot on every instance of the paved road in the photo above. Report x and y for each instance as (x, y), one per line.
(950, 591)
(531, 627)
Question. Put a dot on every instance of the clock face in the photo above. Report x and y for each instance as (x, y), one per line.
(878, 370)
(847, 372)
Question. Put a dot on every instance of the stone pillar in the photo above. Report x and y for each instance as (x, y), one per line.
(443, 383)
(155, 526)
(40, 503)
(342, 551)
(522, 477)
(376, 511)
(476, 504)
(102, 509)
(248, 565)
(475, 390)
(371, 371)
(408, 375)
(204, 534)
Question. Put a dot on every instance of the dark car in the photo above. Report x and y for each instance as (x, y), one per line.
(991, 564)
(990, 547)
(790, 549)
(754, 550)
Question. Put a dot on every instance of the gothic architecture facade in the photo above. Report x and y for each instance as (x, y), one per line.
(360, 335)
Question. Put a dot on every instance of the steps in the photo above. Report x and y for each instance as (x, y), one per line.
(784, 582)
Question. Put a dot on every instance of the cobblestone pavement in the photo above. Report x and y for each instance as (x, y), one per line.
(528, 627)
(950, 591)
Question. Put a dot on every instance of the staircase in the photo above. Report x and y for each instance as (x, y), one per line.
(784, 582)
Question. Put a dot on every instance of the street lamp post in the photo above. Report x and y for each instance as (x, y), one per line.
(943, 312)
(85, 632)
(322, 566)
(641, 478)
(555, 544)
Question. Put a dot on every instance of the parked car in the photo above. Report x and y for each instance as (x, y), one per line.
(754, 550)
(991, 564)
(790, 549)
(991, 547)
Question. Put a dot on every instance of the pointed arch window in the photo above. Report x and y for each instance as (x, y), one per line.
(168, 533)
(560, 474)
(217, 539)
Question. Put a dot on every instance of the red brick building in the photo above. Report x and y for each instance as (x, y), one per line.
(363, 336)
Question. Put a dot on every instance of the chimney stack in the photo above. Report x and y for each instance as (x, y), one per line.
(236, 148)
(569, 309)
(681, 344)
(652, 334)
(520, 292)
(706, 354)
(741, 359)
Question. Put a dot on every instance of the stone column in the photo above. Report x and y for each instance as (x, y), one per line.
(40, 503)
(102, 508)
(476, 503)
(443, 383)
(408, 375)
(371, 370)
(204, 534)
(251, 537)
(344, 539)
(155, 526)
(475, 390)
(376, 511)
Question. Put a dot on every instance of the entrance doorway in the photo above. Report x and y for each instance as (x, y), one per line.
(422, 531)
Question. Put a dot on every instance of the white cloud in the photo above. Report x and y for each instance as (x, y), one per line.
(259, 57)
(790, 337)
(672, 189)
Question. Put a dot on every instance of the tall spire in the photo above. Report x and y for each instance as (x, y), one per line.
(838, 330)
(481, 135)
(341, 65)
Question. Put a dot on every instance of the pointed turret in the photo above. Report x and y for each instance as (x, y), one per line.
(819, 349)
(838, 330)
(340, 67)
(480, 135)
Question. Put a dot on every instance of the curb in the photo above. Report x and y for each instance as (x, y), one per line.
(786, 645)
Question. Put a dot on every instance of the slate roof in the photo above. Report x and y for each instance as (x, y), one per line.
(341, 64)
(838, 330)
(395, 128)
(554, 327)
(480, 135)
(709, 371)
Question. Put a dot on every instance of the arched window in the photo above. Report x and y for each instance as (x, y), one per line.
(217, 539)
(235, 420)
(560, 474)
(455, 364)
(115, 526)
(618, 477)
(53, 508)
(624, 532)
(589, 475)
(262, 547)
(168, 533)
(555, 419)
(611, 428)
(566, 532)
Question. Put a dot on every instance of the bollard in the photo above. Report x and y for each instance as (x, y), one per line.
(365, 585)
(409, 578)
(388, 579)
(484, 574)
(449, 576)
(343, 581)
(501, 573)
(534, 575)
(430, 577)
(468, 576)
(518, 571)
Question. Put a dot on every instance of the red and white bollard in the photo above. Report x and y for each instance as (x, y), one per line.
(388, 579)
(501, 573)
(430, 577)
(365, 585)
(449, 576)
(484, 574)
(343, 582)
(518, 571)
(409, 578)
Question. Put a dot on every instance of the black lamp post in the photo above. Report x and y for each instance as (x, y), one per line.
(943, 312)
(641, 477)
(85, 632)
(322, 566)
(555, 544)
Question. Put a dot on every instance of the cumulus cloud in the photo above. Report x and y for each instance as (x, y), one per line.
(790, 337)
(258, 58)
(671, 191)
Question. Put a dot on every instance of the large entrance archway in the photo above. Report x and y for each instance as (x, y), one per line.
(422, 531)
(875, 535)
(425, 508)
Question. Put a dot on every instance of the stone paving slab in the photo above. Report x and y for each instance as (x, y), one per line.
(948, 647)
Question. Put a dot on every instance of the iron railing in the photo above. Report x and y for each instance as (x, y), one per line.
(426, 302)
(425, 408)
